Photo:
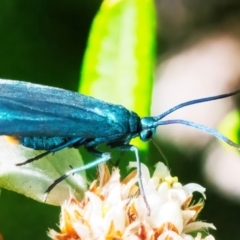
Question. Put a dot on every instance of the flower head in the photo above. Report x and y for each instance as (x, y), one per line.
(113, 209)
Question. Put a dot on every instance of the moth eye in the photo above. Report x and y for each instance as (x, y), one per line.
(145, 135)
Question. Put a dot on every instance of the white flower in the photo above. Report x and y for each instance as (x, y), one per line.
(113, 209)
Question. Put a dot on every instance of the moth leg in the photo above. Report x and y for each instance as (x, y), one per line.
(33, 159)
(134, 149)
(53, 150)
(104, 157)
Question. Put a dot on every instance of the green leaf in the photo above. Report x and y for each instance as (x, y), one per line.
(33, 179)
(230, 127)
(119, 60)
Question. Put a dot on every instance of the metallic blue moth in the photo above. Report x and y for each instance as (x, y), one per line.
(50, 119)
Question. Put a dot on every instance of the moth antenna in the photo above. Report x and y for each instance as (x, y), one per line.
(201, 127)
(195, 101)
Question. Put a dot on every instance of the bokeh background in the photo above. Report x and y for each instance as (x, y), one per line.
(198, 55)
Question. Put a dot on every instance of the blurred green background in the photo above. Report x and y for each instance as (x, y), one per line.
(44, 41)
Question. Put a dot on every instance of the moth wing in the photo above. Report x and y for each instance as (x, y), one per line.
(28, 109)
